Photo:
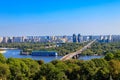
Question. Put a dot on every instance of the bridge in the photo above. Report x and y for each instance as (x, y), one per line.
(76, 54)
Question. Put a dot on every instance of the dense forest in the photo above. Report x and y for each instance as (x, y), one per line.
(102, 48)
(107, 68)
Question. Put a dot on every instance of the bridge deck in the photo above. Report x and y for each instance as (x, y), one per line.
(70, 55)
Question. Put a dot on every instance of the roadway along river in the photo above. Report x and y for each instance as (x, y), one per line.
(16, 54)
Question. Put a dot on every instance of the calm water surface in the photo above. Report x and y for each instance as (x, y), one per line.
(16, 54)
(89, 57)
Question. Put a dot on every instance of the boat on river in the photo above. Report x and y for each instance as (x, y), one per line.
(44, 53)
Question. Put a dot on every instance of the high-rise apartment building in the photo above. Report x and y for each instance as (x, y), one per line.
(1, 39)
(74, 38)
(80, 38)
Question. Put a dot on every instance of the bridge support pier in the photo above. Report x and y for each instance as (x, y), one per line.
(76, 57)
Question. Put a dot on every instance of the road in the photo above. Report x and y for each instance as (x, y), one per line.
(70, 55)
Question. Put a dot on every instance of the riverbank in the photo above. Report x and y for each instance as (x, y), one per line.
(8, 48)
(3, 51)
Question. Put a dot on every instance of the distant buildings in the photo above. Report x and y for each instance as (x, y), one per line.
(115, 38)
(106, 38)
(5, 40)
(85, 38)
(61, 39)
(99, 38)
(18, 39)
(80, 38)
(32, 39)
(109, 38)
(1, 39)
(74, 38)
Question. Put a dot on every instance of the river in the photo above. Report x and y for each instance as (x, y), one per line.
(16, 54)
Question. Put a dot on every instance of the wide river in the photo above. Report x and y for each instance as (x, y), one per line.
(16, 54)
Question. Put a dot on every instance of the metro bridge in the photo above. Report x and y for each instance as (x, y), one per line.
(76, 54)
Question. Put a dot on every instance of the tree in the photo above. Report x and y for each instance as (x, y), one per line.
(109, 56)
(88, 69)
(61, 66)
(102, 74)
(117, 54)
(45, 70)
(102, 67)
(73, 71)
(115, 69)
(4, 71)
(100, 63)
(33, 67)
(18, 69)
(2, 58)
(50, 72)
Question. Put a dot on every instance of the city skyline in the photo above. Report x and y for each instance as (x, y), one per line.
(41, 18)
(60, 39)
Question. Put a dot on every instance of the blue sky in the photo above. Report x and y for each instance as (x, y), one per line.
(59, 17)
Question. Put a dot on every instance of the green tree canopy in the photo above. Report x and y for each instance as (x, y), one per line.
(4, 71)
(2, 58)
